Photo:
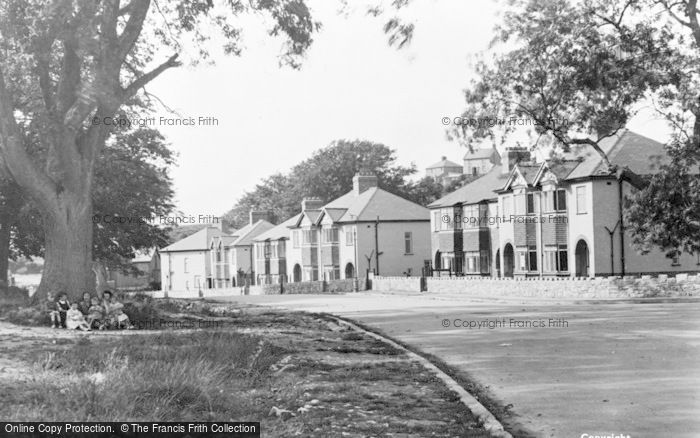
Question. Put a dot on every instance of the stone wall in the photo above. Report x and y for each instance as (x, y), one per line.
(682, 285)
(304, 287)
(396, 283)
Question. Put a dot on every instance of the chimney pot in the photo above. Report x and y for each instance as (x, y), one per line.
(363, 181)
(311, 204)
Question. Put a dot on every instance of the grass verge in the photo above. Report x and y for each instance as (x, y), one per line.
(298, 374)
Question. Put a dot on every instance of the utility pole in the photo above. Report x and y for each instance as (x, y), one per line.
(376, 245)
(612, 246)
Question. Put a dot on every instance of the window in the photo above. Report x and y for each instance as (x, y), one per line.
(330, 235)
(530, 203)
(331, 272)
(522, 261)
(310, 273)
(560, 204)
(532, 259)
(295, 238)
(436, 221)
(556, 259)
(408, 242)
(187, 263)
(555, 200)
(484, 262)
(471, 262)
(581, 199)
(350, 237)
(309, 237)
(446, 219)
(527, 259)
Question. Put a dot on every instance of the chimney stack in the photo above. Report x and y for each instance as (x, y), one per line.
(362, 181)
(514, 155)
(444, 158)
(311, 204)
(259, 215)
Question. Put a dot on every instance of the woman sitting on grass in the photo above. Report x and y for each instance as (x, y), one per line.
(75, 319)
(114, 313)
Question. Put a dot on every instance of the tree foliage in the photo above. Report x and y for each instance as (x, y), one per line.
(328, 174)
(580, 71)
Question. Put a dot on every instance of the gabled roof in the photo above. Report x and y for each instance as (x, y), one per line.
(334, 213)
(250, 232)
(198, 241)
(280, 231)
(225, 240)
(479, 154)
(371, 203)
(443, 163)
(481, 189)
(376, 202)
(639, 154)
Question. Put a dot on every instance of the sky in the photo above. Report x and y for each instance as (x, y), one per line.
(351, 85)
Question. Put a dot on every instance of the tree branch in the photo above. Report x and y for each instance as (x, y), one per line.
(16, 161)
(132, 30)
(140, 82)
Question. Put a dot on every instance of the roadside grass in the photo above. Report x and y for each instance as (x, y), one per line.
(165, 377)
(298, 374)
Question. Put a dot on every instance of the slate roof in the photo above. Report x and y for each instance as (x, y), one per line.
(444, 163)
(639, 154)
(481, 189)
(479, 154)
(247, 234)
(371, 203)
(280, 231)
(198, 241)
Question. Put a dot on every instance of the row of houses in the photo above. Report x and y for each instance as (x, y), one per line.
(367, 229)
(521, 218)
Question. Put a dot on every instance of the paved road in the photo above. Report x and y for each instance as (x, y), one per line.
(567, 369)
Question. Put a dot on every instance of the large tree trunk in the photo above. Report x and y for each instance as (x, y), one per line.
(68, 236)
(4, 249)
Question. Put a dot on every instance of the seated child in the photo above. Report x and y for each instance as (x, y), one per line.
(62, 306)
(50, 309)
(96, 314)
(75, 319)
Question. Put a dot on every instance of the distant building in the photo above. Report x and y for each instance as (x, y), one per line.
(480, 161)
(146, 277)
(444, 171)
(186, 264)
(232, 256)
(271, 253)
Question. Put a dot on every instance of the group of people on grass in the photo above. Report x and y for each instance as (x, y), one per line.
(88, 314)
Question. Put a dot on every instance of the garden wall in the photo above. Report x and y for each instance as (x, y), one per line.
(396, 283)
(682, 285)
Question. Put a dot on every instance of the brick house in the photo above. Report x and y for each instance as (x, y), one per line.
(480, 161)
(561, 218)
(444, 171)
(341, 239)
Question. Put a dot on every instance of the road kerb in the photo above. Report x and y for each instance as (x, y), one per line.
(490, 423)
